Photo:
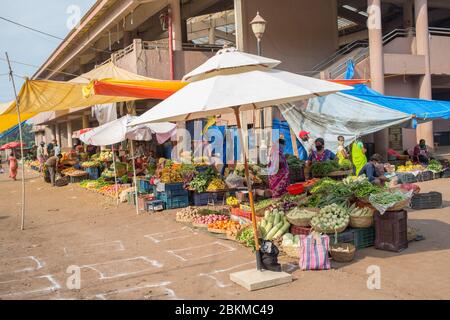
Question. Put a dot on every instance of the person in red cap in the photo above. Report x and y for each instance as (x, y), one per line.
(307, 141)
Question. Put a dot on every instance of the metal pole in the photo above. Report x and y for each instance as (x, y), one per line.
(258, 46)
(134, 178)
(115, 175)
(11, 75)
(250, 190)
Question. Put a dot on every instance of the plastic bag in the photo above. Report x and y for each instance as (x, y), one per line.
(233, 181)
(397, 205)
(314, 252)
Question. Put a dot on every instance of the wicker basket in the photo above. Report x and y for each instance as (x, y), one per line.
(361, 222)
(342, 256)
(292, 251)
(302, 222)
(400, 205)
(330, 231)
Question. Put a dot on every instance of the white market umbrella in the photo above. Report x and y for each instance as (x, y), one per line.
(233, 81)
(118, 130)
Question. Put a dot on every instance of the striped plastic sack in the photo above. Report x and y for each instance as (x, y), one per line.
(314, 252)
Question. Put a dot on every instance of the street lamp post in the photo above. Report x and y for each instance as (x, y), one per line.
(259, 27)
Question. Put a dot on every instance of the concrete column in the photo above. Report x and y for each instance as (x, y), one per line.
(239, 24)
(176, 24)
(377, 66)
(69, 134)
(85, 120)
(212, 32)
(408, 14)
(425, 130)
(57, 134)
(52, 132)
(139, 56)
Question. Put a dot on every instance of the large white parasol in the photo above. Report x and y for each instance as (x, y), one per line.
(233, 81)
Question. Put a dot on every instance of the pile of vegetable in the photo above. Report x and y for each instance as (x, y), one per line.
(112, 190)
(365, 189)
(171, 174)
(187, 214)
(94, 184)
(216, 184)
(355, 211)
(324, 186)
(246, 237)
(75, 173)
(298, 213)
(290, 240)
(202, 180)
(274, 225)
(331, 218)
(90, 164)
(234, 229)
(208, 219)
(386, 198)
(435, 166)
(345, 164)
(105, 155)
(232, 201)
(324, 168)
(294, 163)
(222, 225)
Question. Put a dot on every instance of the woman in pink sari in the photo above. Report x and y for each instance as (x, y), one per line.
(12, 166)
(278, 170)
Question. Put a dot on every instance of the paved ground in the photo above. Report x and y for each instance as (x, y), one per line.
(150, 256)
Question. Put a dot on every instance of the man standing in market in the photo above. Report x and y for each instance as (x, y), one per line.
(52, 166)
(56, 148)
(41, 156)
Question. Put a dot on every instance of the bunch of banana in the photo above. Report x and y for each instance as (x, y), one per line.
(216, 184)
(232, 201)
(355, 211)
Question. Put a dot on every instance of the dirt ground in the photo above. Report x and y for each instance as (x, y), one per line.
(122, 255)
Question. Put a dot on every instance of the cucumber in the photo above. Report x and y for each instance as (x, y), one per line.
(274, 230)
(282, 230)
(277, 219)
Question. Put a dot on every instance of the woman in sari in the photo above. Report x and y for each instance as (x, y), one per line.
(359, 158)
(12, 166)
(278, 170)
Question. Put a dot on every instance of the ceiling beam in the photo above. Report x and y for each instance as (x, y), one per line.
(352, 16)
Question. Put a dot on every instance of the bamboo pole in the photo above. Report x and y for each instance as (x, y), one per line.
(250, 190)
(134, 178)
(11, 75)
(115, 175)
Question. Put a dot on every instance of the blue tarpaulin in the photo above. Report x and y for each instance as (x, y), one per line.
(350, 73)
(11, 131)
(423, 109)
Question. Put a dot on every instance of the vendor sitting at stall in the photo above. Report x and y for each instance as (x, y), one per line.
(370, 170)
(421, 153)
(278, 170)
(320, 154)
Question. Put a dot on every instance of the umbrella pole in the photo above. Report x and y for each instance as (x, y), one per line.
(250, 191)
(115, 176)
(22, 226)
(134, 178)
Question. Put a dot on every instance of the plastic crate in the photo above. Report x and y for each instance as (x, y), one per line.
(144, 186)
(445, 174)
(406, 177)
(430, 200)
(425, 176)
(174, 201)
(155, 205)
(300, 230)
(360, 238)
(173, 186)
(93, 173)
(296, 175)
(143, 200)
(202, 199)
(391, 230)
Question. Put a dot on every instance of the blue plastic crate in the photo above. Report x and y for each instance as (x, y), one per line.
(173, 186)
(177, 202)
(144, 186)
(202, 199)
(93, 173)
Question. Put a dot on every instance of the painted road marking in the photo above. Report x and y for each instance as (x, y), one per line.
(40, 285)
(171, 235)
(220, 284)
(124, 267)
(96, 248)
(203, 251)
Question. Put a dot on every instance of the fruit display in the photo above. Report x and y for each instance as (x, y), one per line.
(332, 218)
(232, 202)
(216, 184)
(274, 225)
(170, 175)
(68, 171)
(201, 181)
(113, 190)
(409, 166)
(75, 173)
(208, 219)
(222, 225)
(187, 214)
(90, 164)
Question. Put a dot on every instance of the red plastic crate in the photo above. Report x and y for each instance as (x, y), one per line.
(300, 230)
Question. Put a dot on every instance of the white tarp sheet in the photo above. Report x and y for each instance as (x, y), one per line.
(339, 114)
(117, 131)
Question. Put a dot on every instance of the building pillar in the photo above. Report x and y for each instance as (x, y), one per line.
(127, 38)
(425, 130)
(138, 51)
(239, 24)
(377, 66)
(176, 24)
(85, 120)
(52, 133)
(69, 134)
(57, 134)
(408, 14)
(212, 32)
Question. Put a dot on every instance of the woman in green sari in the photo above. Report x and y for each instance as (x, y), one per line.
(359, 158)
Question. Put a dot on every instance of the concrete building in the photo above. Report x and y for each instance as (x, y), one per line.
(401, 45)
